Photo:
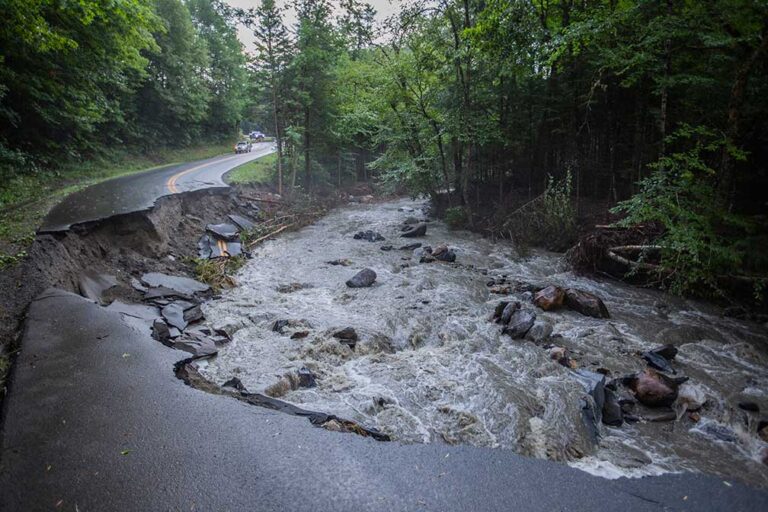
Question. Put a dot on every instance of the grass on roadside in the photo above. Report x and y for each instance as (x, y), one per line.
(25, 199)
(261, 170)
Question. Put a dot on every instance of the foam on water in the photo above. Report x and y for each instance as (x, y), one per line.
(431, 367)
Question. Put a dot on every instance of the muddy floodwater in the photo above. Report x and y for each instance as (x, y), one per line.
(430, 366)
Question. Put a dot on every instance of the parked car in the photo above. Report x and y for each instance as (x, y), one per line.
(243, 147)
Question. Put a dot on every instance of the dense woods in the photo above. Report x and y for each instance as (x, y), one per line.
(532, 112)
(563, 107)
(77, 78)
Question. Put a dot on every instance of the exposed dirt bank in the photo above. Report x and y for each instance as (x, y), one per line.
(162, 239)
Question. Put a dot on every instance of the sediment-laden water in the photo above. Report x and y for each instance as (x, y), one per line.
(431, 367)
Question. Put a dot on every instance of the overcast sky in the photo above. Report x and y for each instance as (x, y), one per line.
(383, 9)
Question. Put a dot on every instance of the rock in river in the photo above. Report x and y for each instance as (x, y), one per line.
(549, 298)
(415, 230)
(519, 324)
(658, 362)
(653, 388)
(362, 279)
(370, 236)
(585, 303)
(443, 253)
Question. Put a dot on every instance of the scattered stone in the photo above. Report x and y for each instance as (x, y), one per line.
(281, 325)
(306, 378)
(509, 310)
(370, 236)
(561, 355)
(594, 386)
(236, 384)
(299, 335)
(182, 285)
(292, 287)
(519, 324)
(407, 209)
(668, 352)
(419, 229)
(762, 430)
(658, 362)
(690, 397)
(348, 336)
(612, 413)
(660, 417)
(498, 310)
(93, 285)
(749, 406)
(410, 247)
(443, 253)
(160, 331)
(386, 247)
(243, 223)
(342, 262)
(550, 298)
(585, 303)
(226, 232)
(427, 258)
(540, 331)
(654, 389)
(501, 289)
(362, 279)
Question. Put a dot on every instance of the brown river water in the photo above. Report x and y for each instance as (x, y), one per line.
(430, 367)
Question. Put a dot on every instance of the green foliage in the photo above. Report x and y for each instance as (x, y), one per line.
(217, 273)
(456, 217)
(261, 170)
(548, 221)
(702, 241)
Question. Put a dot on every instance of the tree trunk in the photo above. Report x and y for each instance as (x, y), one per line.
(727, 181)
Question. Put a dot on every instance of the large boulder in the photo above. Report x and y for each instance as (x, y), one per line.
(654, 389)
(519, 324)
(549, 298)
(540, 331)
(443, 253)
(508, 311)
(415, 230)
(362, 279)
(585, 303)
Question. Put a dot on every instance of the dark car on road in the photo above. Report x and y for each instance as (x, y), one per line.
(243, 147)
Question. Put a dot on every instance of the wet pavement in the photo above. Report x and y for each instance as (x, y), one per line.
(137, 192)
(96, 420)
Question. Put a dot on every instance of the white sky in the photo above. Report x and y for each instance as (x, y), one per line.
(384, 8)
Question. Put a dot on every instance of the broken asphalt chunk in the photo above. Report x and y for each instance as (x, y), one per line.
(182, 285)
(93, 285)
(226, 232)
(242, 222)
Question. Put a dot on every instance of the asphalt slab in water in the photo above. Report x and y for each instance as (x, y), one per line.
(96, 420)
(137, 192)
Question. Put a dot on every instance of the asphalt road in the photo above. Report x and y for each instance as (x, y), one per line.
(137, 192)
(96, 421)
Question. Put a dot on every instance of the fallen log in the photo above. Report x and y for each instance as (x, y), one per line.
(269, 235)
(611, 253)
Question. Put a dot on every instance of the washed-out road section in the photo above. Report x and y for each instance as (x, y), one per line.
(137, 192)
(96, 420)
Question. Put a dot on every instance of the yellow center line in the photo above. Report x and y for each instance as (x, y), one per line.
(171, 183)
(222, 247)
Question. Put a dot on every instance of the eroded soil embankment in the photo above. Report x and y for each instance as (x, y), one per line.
(161, 239)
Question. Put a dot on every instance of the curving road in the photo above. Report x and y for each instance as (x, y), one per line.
(137, 192)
